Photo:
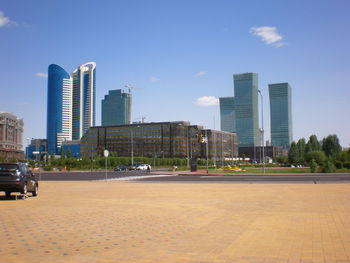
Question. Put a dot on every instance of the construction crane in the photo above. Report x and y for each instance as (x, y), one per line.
(142, 118)
(129, 87)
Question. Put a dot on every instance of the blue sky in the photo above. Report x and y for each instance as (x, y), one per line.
(176, 52)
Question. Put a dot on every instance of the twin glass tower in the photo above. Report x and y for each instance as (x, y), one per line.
(240, 114)
(71, 104)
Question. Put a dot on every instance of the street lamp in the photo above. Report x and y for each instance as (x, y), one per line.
(28, 149)
(262, 129)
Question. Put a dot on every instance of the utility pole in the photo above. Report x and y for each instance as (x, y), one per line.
(262, 130)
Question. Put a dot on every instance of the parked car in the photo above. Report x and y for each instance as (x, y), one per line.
(133, 167)
(121, 168)
(143, 167)
(16, 177)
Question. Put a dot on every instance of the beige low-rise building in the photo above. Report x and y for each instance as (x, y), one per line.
(11, 136)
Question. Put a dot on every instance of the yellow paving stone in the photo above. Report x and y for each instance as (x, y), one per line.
(158, 222)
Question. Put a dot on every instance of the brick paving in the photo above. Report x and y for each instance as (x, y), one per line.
(192, 223)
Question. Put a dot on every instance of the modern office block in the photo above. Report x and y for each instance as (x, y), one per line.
(227, 114)
(246, 109)
(59, 108)
(159, 139)
(71, 148)
(84, 99)
(116, 108)
(281, 114)
(37, 149)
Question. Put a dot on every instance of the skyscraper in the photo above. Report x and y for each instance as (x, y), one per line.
(246, 109)
(59, 108)
(281, 114)
(227, 114)
(84, 99)
(116, 108)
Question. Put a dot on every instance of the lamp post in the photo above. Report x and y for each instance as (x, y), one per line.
(262, 130)
(132, 146)
(27, 149)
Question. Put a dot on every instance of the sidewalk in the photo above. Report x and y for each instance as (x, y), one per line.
(104, 222)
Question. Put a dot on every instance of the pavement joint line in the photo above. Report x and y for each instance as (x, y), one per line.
(131, 178)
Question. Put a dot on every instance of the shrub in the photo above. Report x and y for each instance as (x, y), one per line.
(328, 167)
(47, 168)
(346, 164)
(338, 164)
(313, 166)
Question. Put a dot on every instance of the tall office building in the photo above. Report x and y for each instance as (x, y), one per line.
(246, 109)
(116, 108)
(281, 114)
(84, 99)
(227, 114)
(59, 108)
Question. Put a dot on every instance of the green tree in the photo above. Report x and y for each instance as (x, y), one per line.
(63, 154)
(318, 156)
(282, 159)
(69, 154)
(313, 144)
(293, 154)
(331, 146)
(301, 148)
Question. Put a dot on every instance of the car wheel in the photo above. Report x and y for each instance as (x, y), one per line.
(24, 189)
(35, 192)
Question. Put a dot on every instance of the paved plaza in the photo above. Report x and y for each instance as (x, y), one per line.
(97, 221)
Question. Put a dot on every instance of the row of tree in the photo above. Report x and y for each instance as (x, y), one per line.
(325, 155)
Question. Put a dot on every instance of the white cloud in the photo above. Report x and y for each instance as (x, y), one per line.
(206, 101)
(41, 75)
(154, 79)
(4, 20)
(200, 73)
(268, 34)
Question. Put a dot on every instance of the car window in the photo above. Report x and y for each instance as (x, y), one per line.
(8, 167)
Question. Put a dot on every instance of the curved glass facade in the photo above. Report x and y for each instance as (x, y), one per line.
(59, 109)
(84, 99)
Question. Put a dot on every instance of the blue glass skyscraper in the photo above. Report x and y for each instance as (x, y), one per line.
(59, 108)
(227, 114)
(281, 114)
(246, 109)
(116, 108)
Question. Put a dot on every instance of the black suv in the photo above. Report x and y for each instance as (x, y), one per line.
(16, 177)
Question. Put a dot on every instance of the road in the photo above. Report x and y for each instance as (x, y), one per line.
(157, 177)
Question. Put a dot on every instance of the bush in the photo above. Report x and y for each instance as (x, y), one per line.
(313, 166)
(47, 168)
(338, 164)
(328, 167)
(346, 165)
